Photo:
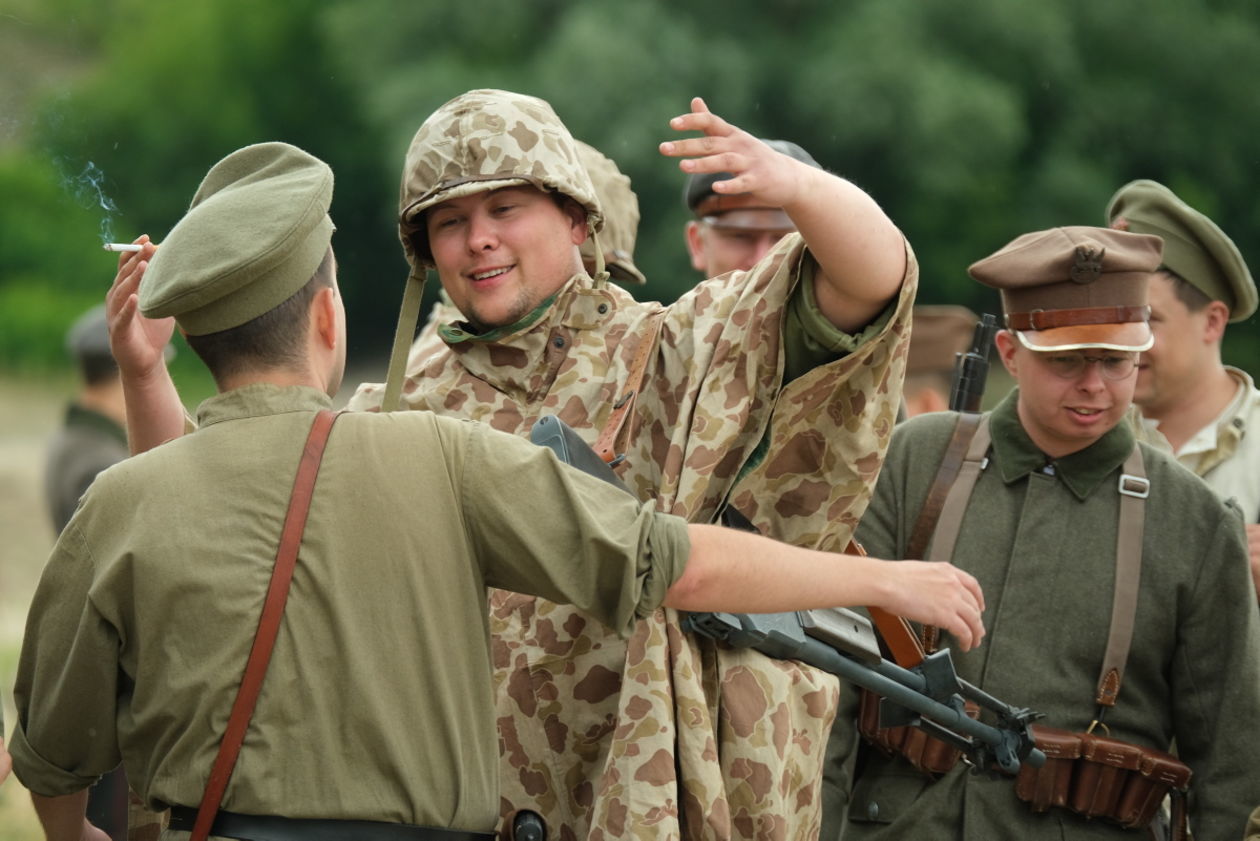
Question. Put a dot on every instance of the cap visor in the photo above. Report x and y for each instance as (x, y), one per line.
(752, 219)
(1135, 335)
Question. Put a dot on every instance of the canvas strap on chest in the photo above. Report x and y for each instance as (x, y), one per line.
(619, 429)
(268, 624)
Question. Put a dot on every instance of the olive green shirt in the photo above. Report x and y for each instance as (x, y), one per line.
(1041, 541)
(377, 704)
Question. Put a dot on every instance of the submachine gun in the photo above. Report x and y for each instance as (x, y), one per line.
(929, 695)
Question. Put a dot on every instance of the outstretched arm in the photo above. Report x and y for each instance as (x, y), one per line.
(861, 254)
(738, 572)
(154, 411)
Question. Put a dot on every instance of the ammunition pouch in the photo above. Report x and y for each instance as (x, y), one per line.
(928, 754)
(1100, 777)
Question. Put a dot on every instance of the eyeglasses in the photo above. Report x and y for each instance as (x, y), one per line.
(1070, 366)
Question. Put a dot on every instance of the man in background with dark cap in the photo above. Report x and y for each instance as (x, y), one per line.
(1060, 509)
(93, 435)
(938, 334)
(1207, 413)
(375, 717)
(733, 231)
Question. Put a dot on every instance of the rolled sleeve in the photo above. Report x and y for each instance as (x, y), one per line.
(810, 339)
(67, 680)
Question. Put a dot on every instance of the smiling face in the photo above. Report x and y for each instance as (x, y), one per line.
(1187, 344)
(501, 253)
(1062, 414)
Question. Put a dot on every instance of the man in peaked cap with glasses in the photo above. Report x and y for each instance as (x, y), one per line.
(772, 396)
(375, 716)
(1206, 412)
(1064, 499)
(732, 231)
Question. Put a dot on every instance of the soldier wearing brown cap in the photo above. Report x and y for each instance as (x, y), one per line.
(1205, 412)
(939, 334)
(733, 231)
(1082, 539)
(771, 392)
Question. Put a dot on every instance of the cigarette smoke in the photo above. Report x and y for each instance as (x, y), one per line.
(88, 190)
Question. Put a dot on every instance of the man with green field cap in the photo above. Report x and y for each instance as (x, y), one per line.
(1204, 411)
(772, 396)
(1116, 582)
(375, 718)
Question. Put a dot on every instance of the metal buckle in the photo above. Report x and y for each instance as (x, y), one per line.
(1135, 486)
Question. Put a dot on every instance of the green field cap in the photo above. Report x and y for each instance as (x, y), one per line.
(255, 233)
(1194, 247)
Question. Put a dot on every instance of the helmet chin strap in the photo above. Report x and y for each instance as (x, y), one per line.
(408, 316)
(601, 273)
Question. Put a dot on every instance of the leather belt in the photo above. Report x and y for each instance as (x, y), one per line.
(275, 828)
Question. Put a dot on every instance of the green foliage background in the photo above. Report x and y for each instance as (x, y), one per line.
(971, 121)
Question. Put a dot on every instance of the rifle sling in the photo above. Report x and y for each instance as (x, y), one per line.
(268, 624)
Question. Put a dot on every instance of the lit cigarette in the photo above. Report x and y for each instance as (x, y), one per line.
(121, 246)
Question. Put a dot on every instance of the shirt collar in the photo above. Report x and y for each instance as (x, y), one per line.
(258, 400)
(1082, 472)
(79, 415)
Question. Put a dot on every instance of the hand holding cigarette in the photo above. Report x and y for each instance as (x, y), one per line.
(138, 343)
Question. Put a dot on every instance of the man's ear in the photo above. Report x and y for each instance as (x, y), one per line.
(1217, 318)
(323, 315)
(695, 246)
(1006, 343)
(578, 224)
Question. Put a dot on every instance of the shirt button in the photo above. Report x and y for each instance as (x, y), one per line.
(872, 810)
(558, 341)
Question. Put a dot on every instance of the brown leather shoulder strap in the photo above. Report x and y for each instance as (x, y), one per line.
(623, 409)
(951, 463)
(955, 479)
(1134, 488)
(268, 624)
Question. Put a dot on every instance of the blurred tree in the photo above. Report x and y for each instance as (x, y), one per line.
(971, 121)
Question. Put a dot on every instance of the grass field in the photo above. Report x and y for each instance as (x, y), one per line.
(29, 413)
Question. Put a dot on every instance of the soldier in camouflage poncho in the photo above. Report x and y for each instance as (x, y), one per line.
(772, 391)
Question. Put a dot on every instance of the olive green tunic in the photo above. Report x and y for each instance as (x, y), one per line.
(377, 704)
(1042, 544)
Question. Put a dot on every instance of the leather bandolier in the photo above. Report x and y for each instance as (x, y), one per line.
(1091, 775)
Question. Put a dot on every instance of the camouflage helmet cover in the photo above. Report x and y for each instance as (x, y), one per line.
(485, 140)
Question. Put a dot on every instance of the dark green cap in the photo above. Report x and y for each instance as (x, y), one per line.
(1194, 247)
(255, 233)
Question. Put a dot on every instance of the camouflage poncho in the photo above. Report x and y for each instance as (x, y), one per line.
(664, 735)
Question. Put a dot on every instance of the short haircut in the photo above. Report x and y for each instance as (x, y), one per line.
(97, 369)
(1194, 298)
(270, 341)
